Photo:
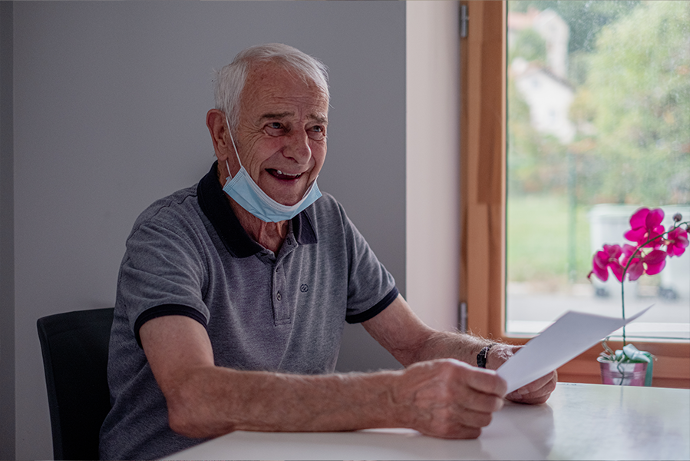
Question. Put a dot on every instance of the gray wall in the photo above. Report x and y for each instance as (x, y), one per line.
(6, 238)
(109, 100)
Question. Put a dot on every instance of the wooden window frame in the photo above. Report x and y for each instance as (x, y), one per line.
(483, 179)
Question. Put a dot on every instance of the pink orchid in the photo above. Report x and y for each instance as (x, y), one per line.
(650, 264)
(608, 258)
(646, 225)
(676, 241)
(634, 261)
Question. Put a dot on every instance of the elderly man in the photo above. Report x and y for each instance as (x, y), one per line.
(233, 294)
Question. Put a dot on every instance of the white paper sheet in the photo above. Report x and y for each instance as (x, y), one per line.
(571, 335)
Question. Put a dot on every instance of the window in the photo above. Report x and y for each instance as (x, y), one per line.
(485, 183)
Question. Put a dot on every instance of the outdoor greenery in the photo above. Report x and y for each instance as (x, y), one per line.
(536, 242)
(629, 67)
(637, 97)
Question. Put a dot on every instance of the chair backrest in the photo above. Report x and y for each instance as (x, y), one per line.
(75, 359)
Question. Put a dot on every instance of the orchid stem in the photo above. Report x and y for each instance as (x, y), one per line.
(623, 303)
(625, 270)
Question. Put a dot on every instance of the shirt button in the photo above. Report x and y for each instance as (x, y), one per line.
(279, 296)
(289, 241)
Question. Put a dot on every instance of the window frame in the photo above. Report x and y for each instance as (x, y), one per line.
(483, 203)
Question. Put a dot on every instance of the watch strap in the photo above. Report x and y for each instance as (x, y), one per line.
(481, 357)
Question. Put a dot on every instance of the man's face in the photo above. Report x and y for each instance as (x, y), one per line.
(281, 135)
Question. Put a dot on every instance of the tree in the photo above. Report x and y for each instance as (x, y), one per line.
(638, 88)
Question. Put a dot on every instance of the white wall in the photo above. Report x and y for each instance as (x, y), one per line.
(433, 161)
(109, 107)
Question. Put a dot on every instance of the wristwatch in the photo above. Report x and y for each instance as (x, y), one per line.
(481, 357)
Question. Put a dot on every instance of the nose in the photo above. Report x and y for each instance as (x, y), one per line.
(298, 147)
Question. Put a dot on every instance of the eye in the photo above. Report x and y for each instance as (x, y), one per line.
(275, 129)
(317, 132)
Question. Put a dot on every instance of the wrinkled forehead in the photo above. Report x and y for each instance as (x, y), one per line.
(274, 82)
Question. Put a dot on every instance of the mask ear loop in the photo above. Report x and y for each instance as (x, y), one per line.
(227, 123)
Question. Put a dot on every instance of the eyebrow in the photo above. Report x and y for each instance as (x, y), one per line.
(278, 115)
(315, 117)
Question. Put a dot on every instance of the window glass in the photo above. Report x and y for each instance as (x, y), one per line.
(598, 126)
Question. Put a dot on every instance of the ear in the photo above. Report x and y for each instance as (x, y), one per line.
(217, 127)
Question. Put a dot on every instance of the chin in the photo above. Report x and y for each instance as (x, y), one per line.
(291, 202)
(292, 198)
(285, 200)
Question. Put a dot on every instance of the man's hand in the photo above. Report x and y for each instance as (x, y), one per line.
(448, 398)
(410, 341)
(536, 392)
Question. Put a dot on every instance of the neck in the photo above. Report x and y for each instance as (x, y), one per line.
(270, 235)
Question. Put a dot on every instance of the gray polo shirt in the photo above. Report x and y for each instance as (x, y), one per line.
(188, 255)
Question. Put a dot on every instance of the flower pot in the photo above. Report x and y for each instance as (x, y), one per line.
(622, 374)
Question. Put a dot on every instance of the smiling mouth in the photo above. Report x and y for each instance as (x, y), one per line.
(284, 176)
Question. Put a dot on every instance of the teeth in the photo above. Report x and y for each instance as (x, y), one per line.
(286, 174)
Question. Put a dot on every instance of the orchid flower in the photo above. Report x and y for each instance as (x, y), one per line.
(646, 226)
(676, 242)
(650, 264)
(603, 260)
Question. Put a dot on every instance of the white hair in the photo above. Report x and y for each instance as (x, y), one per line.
(230, 80)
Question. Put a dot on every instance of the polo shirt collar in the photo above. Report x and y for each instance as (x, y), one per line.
(215, 205)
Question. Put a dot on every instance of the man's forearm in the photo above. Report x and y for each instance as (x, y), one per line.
(214, 401)
(205, 400)
(441, 398)
(405, 336)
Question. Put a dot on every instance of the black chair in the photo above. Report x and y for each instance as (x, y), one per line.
(75, 358)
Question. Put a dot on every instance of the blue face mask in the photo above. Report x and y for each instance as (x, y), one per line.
(249, 195)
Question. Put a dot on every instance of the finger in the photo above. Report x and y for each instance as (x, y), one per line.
(471, 418)
(487, 382)
(536, 392)
(537, 384)
(453, 432)
(455, 422)
(529, 399)
(480, 402)
(538, 396)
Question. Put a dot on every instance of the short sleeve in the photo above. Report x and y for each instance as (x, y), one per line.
(162, 266)
(371, 288)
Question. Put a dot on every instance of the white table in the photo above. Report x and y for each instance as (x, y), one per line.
(580, 421)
